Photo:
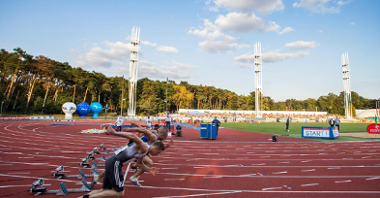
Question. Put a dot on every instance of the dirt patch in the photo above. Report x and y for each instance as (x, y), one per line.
(361, 135)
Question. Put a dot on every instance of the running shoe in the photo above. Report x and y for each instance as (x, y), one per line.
(135, 181)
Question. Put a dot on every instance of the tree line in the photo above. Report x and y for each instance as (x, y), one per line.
(37, 84)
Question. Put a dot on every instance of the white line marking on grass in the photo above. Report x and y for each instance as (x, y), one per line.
(197, 195)
(313, 184)
(307, 161)
(343, 181)
(372, 178)
(276, 173)
(199, 167)
(272, 188)
(308, 170)
(174, 179)
(283, 162)
(366, 157)
(334, 168)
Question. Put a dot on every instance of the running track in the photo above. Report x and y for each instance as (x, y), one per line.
(237, 164)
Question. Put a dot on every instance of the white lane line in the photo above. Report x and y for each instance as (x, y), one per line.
(272, 188)
(312, 184)
(366, 157)
(200, 167)
(15, 173)
(258, 164)
(213, 177)
(283, 162)
(16, 186)
(372, 178)
(198, 195)
(343, 181)
(174, 179)
(334, 168)
(283, 172)
(306, 161)
(308, 170)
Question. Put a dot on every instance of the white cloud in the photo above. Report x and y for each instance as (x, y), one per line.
(317, 6)
(269, 57)
(352, 23)
(220, 46)
(261, 6)
(244, 22)
(344, 2)
(301, 45)
(167, 49)
(286, 30)
(210, 7)
(148, 43)
(99, 57)
(210, 31)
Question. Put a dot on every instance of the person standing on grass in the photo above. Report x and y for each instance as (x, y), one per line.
(119, 123)
(337, 123)
(287, 124)
(331, 122)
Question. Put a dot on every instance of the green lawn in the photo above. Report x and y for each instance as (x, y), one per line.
(295, 129)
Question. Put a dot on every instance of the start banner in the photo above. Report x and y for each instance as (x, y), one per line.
(320, 132)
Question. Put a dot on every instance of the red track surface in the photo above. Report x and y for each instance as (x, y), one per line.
(237, 164)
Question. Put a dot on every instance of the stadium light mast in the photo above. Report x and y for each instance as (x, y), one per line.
(133, 67)
(258, 80)
(346, 86)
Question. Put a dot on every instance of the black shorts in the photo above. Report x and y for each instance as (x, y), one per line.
(113, 178)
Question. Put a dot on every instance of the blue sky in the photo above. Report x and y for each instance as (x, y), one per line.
(209, 42)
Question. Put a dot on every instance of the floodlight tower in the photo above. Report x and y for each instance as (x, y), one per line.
(346, 86)
(258, 80)
(133, 67)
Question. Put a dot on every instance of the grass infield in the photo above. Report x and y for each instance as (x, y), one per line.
(295, 129)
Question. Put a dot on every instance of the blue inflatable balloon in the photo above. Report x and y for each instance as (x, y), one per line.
(96, 107)
(83, 109)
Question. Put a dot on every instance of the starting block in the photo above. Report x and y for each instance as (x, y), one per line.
(80, 176)
(96, 165)
(38, 189)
